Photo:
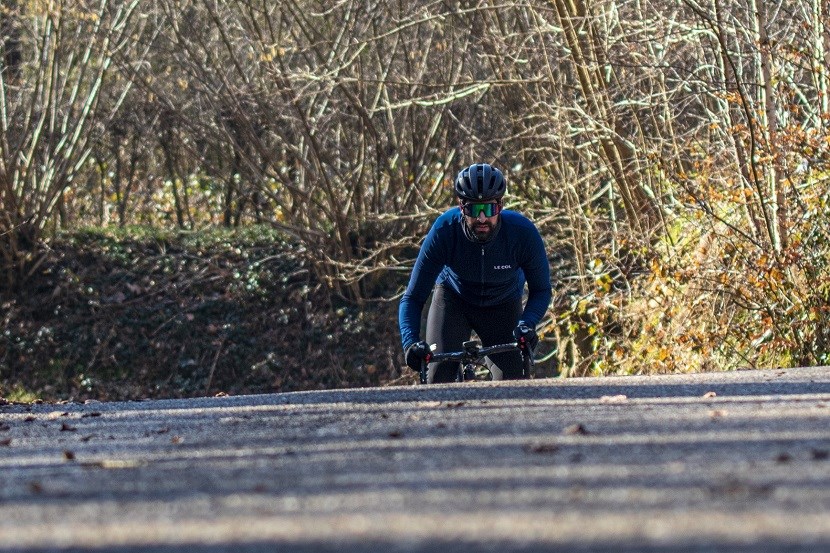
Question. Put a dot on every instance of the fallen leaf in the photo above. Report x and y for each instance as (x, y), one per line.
(176, 440)
(92, 414)
(6, 442)
(708, 395)
(69, 455)
(576, 429)
(620, 398)
(736, 489)
(396, 434)
(820, 454)
(113, 464)
(541, 447)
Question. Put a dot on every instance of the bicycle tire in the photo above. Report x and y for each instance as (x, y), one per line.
(527, 365)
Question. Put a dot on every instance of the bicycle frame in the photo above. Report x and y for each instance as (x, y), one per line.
(472, 354)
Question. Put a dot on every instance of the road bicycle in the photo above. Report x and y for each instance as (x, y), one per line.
(471, 358)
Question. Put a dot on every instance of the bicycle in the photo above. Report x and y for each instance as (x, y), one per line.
(472, 356)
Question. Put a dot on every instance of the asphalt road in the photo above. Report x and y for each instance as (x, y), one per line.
(709, 462)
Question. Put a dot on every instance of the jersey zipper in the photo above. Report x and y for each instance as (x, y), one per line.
(481, 295)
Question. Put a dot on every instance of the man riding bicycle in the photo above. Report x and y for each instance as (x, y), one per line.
(476, 260)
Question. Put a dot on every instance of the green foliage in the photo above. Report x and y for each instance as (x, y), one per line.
(19, 394)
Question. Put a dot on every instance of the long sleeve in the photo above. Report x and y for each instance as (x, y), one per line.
(537, 274)
(427, 267)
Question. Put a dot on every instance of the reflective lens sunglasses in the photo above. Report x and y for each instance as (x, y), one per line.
(473, 209)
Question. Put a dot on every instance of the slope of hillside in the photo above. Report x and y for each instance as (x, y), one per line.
(138, 314)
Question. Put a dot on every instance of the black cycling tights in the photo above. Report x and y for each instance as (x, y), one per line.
(450, 322)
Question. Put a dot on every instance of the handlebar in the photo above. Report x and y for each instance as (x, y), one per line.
(472, 352)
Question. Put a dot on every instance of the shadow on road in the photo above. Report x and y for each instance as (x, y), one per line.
(552, 388)
(559, 389)
(315, 459)
(519, 546)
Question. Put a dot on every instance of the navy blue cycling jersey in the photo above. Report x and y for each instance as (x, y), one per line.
(482, 273)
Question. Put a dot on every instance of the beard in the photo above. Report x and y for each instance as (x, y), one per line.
(481, 230)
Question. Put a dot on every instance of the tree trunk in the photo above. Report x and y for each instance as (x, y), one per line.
(589, 59)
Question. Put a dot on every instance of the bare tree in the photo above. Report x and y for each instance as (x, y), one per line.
(61, 57)
(635, 132)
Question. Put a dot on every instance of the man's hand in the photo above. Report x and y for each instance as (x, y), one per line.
(525, 335)
(416, 354)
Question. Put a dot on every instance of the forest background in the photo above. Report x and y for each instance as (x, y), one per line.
(200, 196)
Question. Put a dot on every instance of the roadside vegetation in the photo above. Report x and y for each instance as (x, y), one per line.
(132, 313)
(190, 189)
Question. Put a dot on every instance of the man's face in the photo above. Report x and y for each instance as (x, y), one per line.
(481, 217)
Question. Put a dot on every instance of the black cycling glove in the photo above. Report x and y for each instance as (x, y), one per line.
(525, 334)
(416, 354)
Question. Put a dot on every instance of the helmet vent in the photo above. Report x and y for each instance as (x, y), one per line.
(480, 181)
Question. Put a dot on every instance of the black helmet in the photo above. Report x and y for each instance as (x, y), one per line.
(480, 181)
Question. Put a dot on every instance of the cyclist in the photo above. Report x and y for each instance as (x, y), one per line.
(475, 260)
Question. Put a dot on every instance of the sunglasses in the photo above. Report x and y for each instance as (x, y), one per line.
(473, 209)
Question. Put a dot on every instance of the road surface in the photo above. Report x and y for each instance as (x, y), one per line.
(735, 461)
